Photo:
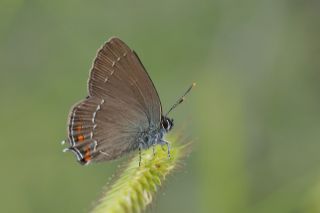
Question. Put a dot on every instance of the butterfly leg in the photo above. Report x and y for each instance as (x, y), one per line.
(163, 142)
(153, 149)
(140, 147)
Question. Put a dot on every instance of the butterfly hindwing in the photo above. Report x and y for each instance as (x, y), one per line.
(81, 128)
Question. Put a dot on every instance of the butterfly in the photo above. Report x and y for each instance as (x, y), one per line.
(122, 111)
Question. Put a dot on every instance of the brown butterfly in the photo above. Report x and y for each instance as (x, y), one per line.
(122, 112)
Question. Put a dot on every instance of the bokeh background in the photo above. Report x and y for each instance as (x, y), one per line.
(254, 115)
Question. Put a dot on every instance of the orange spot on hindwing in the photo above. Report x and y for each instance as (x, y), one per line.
(87, 155)
(80, 138)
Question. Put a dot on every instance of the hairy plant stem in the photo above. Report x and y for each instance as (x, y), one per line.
(136, 186)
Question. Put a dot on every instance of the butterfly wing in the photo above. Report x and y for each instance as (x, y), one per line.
(118, 71)
(122, 103)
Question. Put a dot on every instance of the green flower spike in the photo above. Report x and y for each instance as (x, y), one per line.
(136, 186)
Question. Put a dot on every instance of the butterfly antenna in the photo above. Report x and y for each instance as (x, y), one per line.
(180, 100)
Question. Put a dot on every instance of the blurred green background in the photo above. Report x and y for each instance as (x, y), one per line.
(254, 115)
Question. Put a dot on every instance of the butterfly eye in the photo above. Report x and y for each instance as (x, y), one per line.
(165, 124)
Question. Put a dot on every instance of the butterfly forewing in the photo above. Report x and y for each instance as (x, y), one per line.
(118, 72)
(122, 102)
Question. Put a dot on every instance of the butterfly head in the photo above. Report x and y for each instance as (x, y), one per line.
(166, 123)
